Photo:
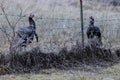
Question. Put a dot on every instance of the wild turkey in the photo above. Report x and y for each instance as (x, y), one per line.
(93, 31)
(26, 34)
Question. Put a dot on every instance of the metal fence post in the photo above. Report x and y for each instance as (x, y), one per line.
(82, 29)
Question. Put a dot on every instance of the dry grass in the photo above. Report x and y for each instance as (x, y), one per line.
(61, 31)
(67, 65)
(72, 74)
(55, 33)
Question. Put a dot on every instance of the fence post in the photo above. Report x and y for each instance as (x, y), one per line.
(81, 16)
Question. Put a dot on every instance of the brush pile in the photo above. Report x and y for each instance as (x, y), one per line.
(35, 60)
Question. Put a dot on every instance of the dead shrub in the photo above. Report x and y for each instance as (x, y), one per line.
(35, 60)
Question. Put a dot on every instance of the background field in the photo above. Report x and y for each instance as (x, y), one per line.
(58, 22)
(58, 26)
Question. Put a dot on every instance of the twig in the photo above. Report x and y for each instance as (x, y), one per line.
(6, 16)
(20, 17)
(5, 32)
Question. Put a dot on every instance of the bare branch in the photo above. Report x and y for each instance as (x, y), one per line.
(6, 17)
(3, 29)
(20, 17)
(3, 10)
